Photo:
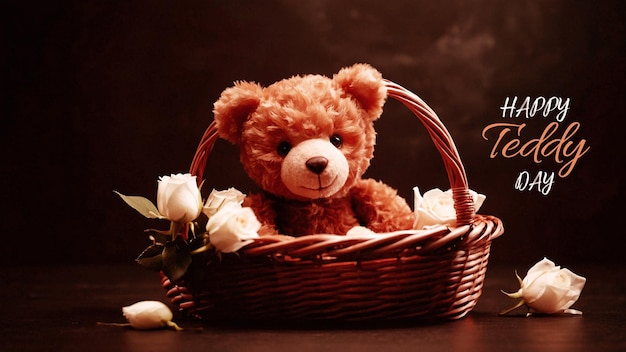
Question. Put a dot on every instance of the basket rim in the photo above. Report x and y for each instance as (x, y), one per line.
(333, 248)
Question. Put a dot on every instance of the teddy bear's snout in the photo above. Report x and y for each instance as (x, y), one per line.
(314, 169)
(317, 164)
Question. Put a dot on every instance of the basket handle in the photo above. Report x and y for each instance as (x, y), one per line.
(198, 164)
(463, 202)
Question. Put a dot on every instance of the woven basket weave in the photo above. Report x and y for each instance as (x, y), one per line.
(435, 274)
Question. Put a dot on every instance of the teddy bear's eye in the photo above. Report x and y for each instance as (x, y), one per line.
(283, 148)
(336, 140)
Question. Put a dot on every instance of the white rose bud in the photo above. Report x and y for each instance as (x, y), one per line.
(178, 198)
(149, 315)
(437, 207)
(549, 289)
(232, 227)
(218, 199)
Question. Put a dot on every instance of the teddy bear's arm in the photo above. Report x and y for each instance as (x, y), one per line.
(379, 207)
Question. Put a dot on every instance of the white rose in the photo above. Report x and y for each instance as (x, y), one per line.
(149, 315)
(218, 199)
(549, 289)
(437, 207)
(232, 227)
(178, 198)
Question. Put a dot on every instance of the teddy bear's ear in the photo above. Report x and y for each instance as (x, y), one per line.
(365, 84)
(234, 106)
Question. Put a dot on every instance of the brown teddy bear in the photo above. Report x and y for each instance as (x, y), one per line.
(307, 141)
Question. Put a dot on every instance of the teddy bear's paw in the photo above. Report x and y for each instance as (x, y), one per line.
(360, 231)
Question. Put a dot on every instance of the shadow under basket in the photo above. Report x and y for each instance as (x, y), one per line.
(434, 273)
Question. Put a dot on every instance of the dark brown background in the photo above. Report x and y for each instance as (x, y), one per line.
(102, 96)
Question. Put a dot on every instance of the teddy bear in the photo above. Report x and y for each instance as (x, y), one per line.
(307, 141)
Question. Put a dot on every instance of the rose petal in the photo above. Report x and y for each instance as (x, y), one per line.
(426, 218)
(232, 227)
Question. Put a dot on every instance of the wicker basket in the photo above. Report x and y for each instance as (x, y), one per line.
(433, 274)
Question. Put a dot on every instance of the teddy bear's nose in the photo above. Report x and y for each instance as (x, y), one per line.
(317, 164)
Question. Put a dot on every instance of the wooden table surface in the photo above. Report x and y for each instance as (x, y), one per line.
(57, 308)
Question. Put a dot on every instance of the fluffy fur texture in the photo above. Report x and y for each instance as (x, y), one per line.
(307, 141)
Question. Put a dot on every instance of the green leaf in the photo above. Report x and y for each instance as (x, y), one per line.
(152, 257)
(143, 205)
(176, 259)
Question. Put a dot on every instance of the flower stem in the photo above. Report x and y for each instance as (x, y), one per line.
(507, 311)
(174, 229)
(517, 294)
(201, 249)
(173, 325)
